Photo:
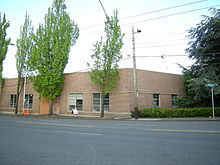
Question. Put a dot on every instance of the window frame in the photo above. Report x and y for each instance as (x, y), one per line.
(174, 100)
(12, 101)
(156, 101)
(74, 100)
(98, 99)
(28, 101)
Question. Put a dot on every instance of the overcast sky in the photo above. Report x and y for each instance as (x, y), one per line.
(163, 31)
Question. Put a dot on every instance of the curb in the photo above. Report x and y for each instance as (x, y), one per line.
(179, 119)
(87, 117)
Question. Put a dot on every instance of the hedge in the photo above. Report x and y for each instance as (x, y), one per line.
(177, 112)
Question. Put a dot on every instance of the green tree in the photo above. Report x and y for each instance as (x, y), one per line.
(106, 55)
(205, 50)
(24, 45)
(50, 51)
(4, 42)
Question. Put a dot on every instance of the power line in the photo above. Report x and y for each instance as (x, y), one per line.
(91, 26)
(171, 55)
(97, 24)
(97, 31)
(108, 21)
(156, 46)
(104, 10)
(160, 17)
(155, 11)
(168, 8)
(123, 59)
(169, 15)
(78, 71)
(147, 42)
(164, 55)
(166, 34)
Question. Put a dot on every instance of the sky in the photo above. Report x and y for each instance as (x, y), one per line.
(164, 26)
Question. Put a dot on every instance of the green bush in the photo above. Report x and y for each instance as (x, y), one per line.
(185, 102)
(177, 112)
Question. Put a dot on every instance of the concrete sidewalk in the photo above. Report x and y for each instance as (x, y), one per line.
(139, 119)
(88, 117)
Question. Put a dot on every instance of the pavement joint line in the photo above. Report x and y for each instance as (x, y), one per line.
(190, 131)
(56, 124)
(81, 133)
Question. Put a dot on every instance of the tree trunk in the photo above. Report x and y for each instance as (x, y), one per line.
(102, 104)
(18, 95)
(20, 87)
(1, 86)
(50, 107)
(17, 101)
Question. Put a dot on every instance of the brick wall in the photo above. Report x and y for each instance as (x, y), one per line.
(121, 98)
(165, 84)
(10, 87)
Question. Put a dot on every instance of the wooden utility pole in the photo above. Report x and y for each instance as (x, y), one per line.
(135, 75)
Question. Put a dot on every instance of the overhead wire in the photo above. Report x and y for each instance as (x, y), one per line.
(169, 15)
(149, 20)
(168, 8)
(153, 18)
(155, 11)
(162, 56)
(175, 14)
(123, 59)
(153, 42)
(166, 34)
(156, 18)
(156, 46)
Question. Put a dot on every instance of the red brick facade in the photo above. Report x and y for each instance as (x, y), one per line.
(121, 100)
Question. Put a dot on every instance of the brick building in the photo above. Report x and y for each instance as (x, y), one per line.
(155, 89)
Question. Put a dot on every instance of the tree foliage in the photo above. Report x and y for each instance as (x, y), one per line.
(24, 45)
(106, 55)
(4, 42)
(204, 48)
(50, 51)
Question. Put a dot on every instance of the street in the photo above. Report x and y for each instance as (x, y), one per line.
(53, 141)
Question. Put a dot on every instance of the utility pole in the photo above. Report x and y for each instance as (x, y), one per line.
(135, 75)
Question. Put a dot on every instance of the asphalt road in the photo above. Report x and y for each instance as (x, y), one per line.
(47, 141)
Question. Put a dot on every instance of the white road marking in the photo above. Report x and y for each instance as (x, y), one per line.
(57, 124)
(81, 133)
(189, 131)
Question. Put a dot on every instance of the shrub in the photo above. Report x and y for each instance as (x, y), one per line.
(177, 112)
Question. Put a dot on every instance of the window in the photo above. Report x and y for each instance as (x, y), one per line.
(174, 101)
(156, 100)
(97, 102)
(75, 100)
(28, 102)
(12, 101)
